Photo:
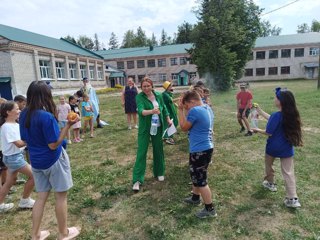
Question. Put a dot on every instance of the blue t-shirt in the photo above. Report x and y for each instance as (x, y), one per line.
(200, 134)
(277, 144)
(85, 113)
(43, 130)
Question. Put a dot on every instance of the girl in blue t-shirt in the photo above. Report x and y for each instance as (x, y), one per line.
(49, 161)
(284, 131)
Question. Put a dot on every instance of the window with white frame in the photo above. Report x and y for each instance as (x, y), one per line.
(162, 77)
(91, 71)
(174, 76)
(120, 65)
(173, 61)
(153, 77)
(183, 61)
(44, 69)
(73, 70)
(60, 70)
(192, 75)
(151, 63)
(140, 63)
(99, 73)
(162, 62)
(314, 51)
(83, 71)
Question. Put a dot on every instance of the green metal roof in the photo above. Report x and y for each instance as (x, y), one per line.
(116, 74)
(293, 39)
(19, 35)
(144, 51)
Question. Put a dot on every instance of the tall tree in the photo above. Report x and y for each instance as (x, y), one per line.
(113, 41)
(152, 41)
(303, 28)
(140, 38)
(128, 39)
(223, 39)
(184, 33)
(70, 39)
(268, 30)
(97, 45)
(165, 40)
(315, 26)
(85, 42)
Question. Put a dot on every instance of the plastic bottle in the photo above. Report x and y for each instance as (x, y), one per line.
(254, 116)
(154, 124)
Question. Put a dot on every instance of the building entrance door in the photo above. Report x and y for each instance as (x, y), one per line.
(5, 88)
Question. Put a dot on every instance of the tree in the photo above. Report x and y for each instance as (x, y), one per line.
(184, 33)
(128, 39)
(140, 38)
(315, 26)
(223, 39)
(97, 45)
(152, 41)
(267, 30)
(165, 40)
(70, 39)
(113, 42)
(303, 28)
(85, 42)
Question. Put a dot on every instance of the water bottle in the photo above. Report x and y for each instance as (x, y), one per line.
(154, 124)
(254, 116)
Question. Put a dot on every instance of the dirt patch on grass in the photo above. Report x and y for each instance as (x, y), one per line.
(311, 129)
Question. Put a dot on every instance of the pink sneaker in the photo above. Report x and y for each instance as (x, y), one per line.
(76, 140)
(80, 139)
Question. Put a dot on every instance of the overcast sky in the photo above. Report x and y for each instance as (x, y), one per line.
(60, 18)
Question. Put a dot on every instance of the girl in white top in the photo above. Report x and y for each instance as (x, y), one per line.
(13, 156)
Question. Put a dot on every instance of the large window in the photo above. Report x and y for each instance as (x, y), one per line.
(260, 72)
(83, 71)
(91, 71)
(183, 61)
(192, 75)
(44, 69)
(99, 73)
(285, 53)
(273, 71)
(140, 77)
(120, 65)
(73, 70)
(162, 62)
(151, 63)
(285, 70)
(173, 61)
(140, 63)
(314, 51)
(174, 76)
(248, 72)
(273, 54)
(130, 64)
(260, 54)
(299, 52)
(162, 77)
(60, 70)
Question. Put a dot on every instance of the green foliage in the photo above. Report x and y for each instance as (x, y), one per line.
(268, 30)
(113, 41)
(184, 33)
(118, 86)
(85, 42)
(223, 39)
(108, 90)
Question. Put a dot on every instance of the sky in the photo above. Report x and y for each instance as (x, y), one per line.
(60, 18)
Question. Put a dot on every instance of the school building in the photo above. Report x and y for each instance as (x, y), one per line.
(27, 56)
(160, 63)
(284, 57)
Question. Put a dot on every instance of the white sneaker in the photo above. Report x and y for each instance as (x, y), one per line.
(69, 142)
(129, 128)
(136, 186)
(136, 127)
(160, 178)
(4, 207)
(26, 203)
(271, 186)
(292, 203)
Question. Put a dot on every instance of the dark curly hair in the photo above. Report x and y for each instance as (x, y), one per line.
(291, 118)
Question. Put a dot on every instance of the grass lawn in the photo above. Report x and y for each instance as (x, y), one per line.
(102, 203)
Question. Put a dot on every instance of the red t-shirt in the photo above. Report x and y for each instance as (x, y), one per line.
(244, 97)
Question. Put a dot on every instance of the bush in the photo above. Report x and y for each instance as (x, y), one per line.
(118, 86)
(107, 90)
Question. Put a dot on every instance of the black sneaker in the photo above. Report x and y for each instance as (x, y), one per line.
(204, 213)
(249, 133)
(242, 129)
(189, 200)
(99, 126)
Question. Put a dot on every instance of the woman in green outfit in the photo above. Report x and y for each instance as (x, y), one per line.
(150, 107)
(169, 102)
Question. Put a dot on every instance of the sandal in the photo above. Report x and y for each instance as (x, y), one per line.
(72, 233)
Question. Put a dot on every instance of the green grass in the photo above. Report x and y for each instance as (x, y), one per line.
(102, 203)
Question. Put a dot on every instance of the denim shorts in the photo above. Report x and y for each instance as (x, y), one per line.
(14, 162)
(198, 165)
(62, 124)
(57, 177)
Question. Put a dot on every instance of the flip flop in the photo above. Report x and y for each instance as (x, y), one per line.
(72, 233)
(44, 234)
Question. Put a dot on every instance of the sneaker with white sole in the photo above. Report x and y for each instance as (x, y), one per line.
(204, 213)
(189, 200)
(4, 207)
(292, 203)
(271, 186)
(160, 178)
(136, 186)
(26, 203)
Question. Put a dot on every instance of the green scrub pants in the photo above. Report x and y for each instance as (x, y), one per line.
(141, 160)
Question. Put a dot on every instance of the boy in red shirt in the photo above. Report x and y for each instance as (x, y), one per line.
(244, 103)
